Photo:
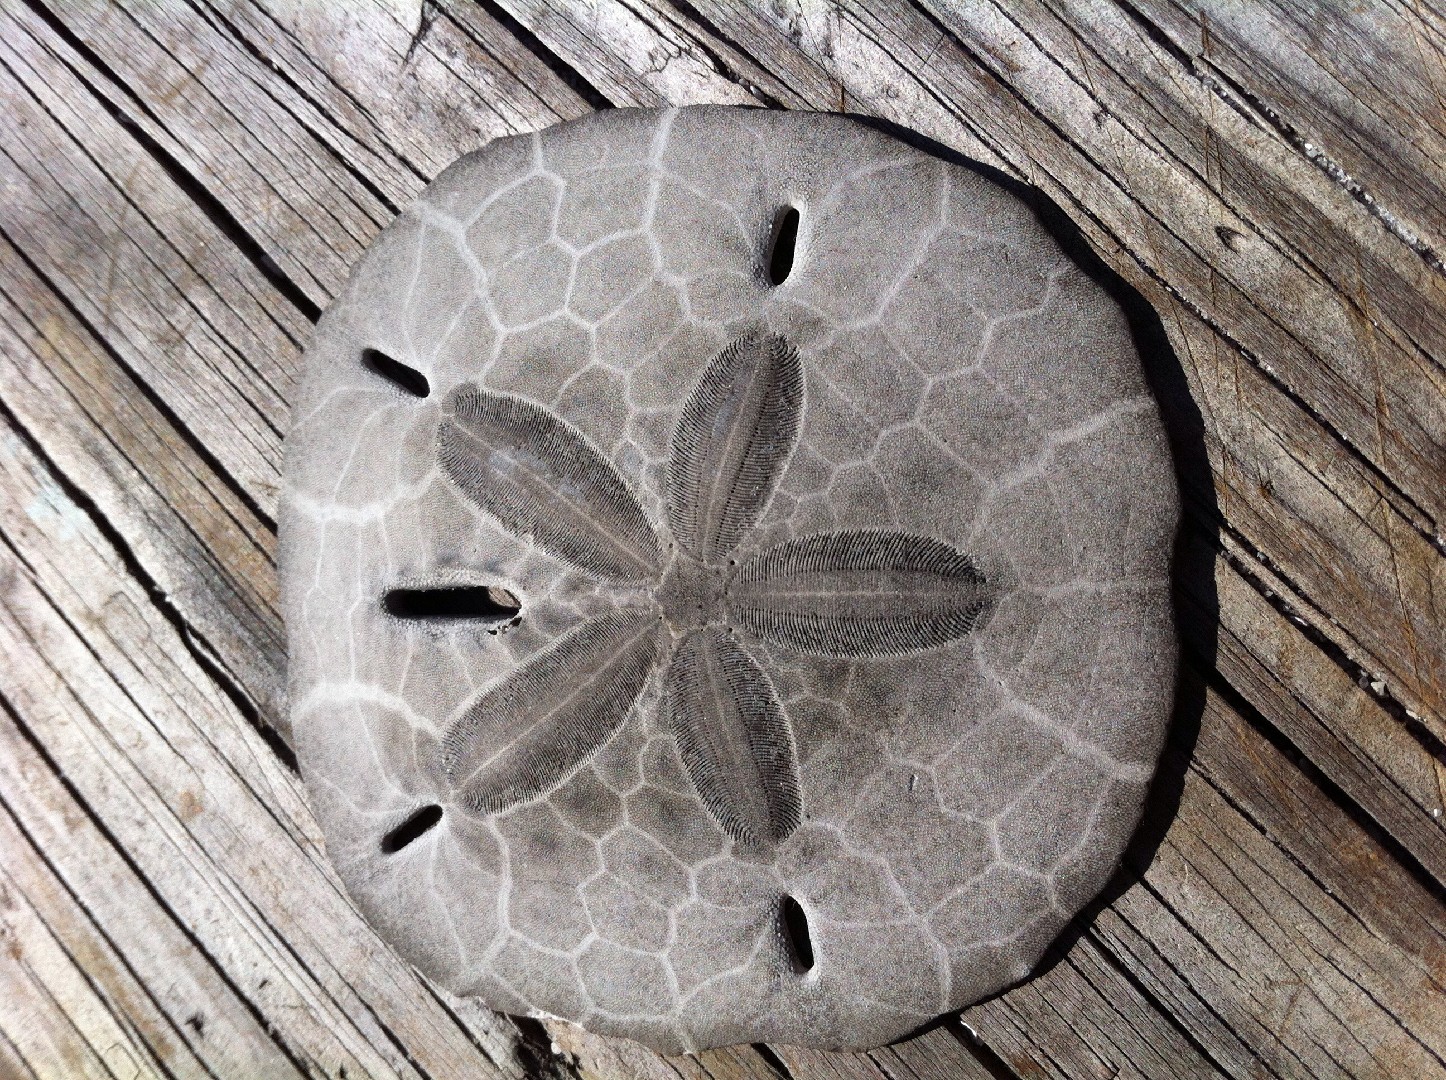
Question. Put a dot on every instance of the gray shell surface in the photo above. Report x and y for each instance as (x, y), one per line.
(845, 649)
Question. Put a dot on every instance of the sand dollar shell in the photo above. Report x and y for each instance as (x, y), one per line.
(725, 556)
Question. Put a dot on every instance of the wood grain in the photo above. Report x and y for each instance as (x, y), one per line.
(83, 907)
(102, 684)
(183, 195)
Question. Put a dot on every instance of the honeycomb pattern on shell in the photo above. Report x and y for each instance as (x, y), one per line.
(963, 382)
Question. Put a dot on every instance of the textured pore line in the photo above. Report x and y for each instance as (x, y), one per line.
(542, 479)
(734, 738)
(733, 439)
(862, 593)
(528, 734)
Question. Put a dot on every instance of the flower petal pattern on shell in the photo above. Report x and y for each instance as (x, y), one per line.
(732, 441)
(860, 593)
(525, 736)
(842, 594)
(539, 476)
(734, 739)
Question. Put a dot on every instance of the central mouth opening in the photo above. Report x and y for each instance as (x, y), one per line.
(692, 594)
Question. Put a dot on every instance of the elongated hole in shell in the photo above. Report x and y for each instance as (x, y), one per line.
(782, 243)
(794, 922)
(407, 379)
(415, 827)
(452, 602)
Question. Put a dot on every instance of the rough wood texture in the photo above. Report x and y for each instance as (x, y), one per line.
(183, 194)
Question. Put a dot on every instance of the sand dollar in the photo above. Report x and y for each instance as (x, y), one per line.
(725, 561)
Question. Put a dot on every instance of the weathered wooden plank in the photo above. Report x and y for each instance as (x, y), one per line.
(685, 29)
(1367, 903)
(1035, 1028)
(171, 999)
(937, 1054)
(594, 1057)
(136, 966)
(216, 826)
(46, 1039)
(1304, 938)
(653, 54)
(463, 80)
(942, 1054)
(193, 540)
(140, 262)
(1344, 730)
(12, 1062)
(822, 1065)
(1362, 92)
(1368, 581)
(244, 139)
(314, 166)
(68, 984)
(573, 32)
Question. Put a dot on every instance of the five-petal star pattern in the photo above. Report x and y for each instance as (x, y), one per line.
(696, 594)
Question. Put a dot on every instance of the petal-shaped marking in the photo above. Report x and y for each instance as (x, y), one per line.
(532, 731)
(863, 593)
(731, 443)
(734, 739)
(541, 477)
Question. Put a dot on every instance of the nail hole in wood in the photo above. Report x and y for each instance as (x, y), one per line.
(407, 379)
(782, 243)
(795, 933)
(453, 602)
(416, 826)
